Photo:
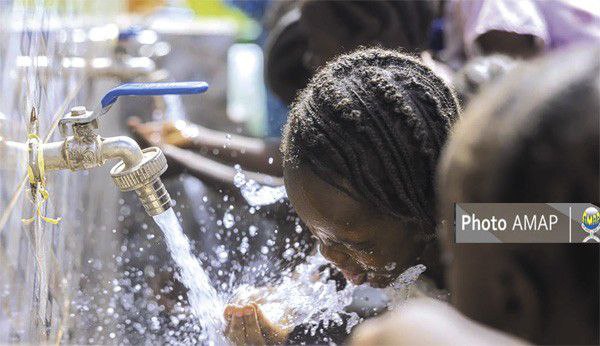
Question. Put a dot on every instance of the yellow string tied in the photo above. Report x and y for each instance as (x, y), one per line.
(41, 185)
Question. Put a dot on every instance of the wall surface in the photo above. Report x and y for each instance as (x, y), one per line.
(41, 263)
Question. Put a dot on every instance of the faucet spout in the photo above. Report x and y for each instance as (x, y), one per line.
(121, 147)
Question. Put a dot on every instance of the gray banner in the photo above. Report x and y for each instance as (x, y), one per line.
(527, 223)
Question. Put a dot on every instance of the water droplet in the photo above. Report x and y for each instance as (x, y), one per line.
(270, 160)
(288, 254)
(390, 266)
(298, 229)
(252, 230)
(264, 250)
(228, 220)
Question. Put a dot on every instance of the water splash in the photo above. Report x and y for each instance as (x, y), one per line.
(205, 303)
(306, 296)
(409, 276)
(399, 291)
(255, 193)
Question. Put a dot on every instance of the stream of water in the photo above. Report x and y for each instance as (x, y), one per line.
(204, 300)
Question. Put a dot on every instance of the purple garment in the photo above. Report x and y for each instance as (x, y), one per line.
(554, 23)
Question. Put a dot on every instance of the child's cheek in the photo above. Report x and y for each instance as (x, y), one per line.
(370, 260)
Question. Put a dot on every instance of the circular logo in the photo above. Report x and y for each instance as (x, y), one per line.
(591, 218)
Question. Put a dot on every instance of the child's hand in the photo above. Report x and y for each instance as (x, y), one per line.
(158, 132)
(246, 325)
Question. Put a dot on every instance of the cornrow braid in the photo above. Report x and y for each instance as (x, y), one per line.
(372, 123)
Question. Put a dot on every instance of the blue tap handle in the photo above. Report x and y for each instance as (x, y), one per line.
(135, 89)
(128, 33)
(147, 89)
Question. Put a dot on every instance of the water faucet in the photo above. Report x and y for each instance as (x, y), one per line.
(121, 65)
(128, 66)
(138, 170)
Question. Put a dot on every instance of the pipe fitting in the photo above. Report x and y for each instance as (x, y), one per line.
(144, 179)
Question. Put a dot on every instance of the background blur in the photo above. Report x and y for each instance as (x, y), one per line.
(88, 279)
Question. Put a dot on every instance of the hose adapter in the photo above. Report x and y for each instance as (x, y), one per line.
(144, 179)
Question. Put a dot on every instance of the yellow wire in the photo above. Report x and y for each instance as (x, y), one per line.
(41, 185)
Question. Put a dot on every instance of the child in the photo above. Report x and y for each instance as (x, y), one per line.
(360, 149)
(532, 138)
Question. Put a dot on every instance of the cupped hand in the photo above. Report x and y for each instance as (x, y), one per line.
(246, 325)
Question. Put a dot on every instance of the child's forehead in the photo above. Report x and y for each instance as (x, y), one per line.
(320, 201)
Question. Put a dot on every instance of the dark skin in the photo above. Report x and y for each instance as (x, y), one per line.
(172, 139)
(508, 43)
(253, 154)
(356, 237)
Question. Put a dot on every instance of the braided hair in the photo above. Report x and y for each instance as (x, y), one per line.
(372, 123)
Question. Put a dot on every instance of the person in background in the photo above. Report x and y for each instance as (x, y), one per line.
(425, 321)
(535, 137)
(517, 28)
(338, 27)
(360, 149)
(479, 72)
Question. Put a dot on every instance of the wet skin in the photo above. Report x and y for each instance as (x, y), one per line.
(357, 238)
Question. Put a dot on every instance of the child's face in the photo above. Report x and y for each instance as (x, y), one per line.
(365, 244)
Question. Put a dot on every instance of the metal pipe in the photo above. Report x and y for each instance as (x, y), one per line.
(119, 147)
(54, 159)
